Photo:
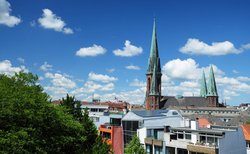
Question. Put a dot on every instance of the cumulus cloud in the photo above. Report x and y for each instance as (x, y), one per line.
(46, 67)
(21, 60)
(129, 50)
(59, 80)
(111, 70)
(100, 77)
(95, 50)
(245, 46)
(182, 69)
(5, 17)
(49, 20)
(186, 81)
(187, 69)
(132, 67)
(7, 68)
(137, 83)
(91, 87)
(197, 47)
(135, 96)
(243, 78)
(235, 71)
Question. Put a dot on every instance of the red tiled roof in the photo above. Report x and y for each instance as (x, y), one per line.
(203, 122)
(246, 131)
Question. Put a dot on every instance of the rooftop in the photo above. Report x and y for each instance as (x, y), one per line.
(150, 113)
(246, 131)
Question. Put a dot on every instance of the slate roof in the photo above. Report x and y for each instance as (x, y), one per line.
(167, 101)
(150, 113)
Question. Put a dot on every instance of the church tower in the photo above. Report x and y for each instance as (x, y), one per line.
(203, 90)
(212, 95)
(153, 76)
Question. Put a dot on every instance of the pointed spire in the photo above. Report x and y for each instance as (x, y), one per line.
(203, 84)
(154, 56)
(212, 90)
(154, 85)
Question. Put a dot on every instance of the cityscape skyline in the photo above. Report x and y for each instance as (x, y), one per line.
(103, 48)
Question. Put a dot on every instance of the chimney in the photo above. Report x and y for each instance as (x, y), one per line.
(195, 124)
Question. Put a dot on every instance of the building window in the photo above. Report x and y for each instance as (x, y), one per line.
(180, 136)
(106, 135)
(93, 110)
(158, 150)
(188, 136)
(149, 149)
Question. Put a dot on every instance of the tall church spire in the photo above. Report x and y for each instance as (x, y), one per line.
(203, 90)
(212, 89)
(154, 55)
(153, 75)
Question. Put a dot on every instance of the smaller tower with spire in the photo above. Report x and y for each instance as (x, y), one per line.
(203, 90)
(212, 95)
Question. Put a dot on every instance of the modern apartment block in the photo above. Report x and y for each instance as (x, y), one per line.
(137, 119)
(192, 140)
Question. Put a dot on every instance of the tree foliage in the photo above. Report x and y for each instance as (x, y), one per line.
(29, 123)
(73, 107)
(134, 147)
(93, 143)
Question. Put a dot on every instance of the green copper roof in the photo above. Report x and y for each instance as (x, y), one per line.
(154, 56)
(203, 90)
(154, 85)
(212, 90)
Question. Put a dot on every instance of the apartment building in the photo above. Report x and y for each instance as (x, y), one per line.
(192, 140)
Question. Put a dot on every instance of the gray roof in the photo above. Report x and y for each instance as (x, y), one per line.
(200, 130)
(198, 101)
(150, 113)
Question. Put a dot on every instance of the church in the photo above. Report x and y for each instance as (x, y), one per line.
(154, 100)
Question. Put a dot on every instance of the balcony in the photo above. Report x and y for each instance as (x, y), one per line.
(152, 141)
(202, 148)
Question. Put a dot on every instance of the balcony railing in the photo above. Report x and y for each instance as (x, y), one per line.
(202, 148)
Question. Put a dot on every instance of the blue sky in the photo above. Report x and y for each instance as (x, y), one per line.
(102, 47)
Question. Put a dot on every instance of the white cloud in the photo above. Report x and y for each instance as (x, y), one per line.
(21, 60)
(46, 67)
(132, 67)
(187, 69)
(195, 46)
(129, 50)
(173, 71)
(95, 50)
(133, 97)
(245, 46)
(49, 20)
(33, 23)
(58, 80)
(56, 92)
(5, 17)
(137, 83)
(235, 71)
(7, 68)
(111, 70)
(100, 77)
(182, 69)
(243, 78)
(91, 87)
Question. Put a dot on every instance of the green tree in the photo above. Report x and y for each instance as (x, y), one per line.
(73, 107)
(90, 131)
(29, 123)
(93, 143)
(134, 147)
(101, 147)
